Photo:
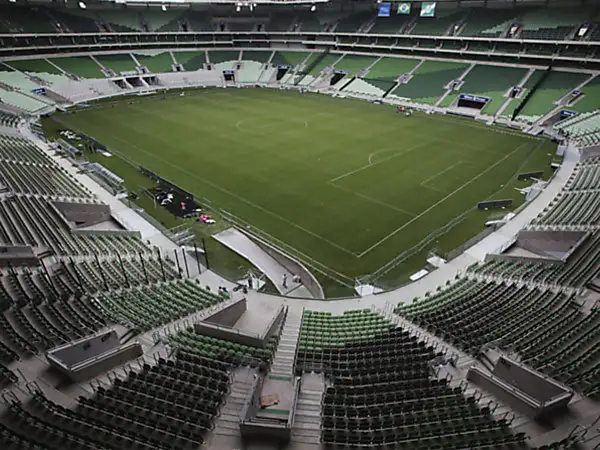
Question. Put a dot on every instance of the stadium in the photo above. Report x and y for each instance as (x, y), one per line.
(299, 224)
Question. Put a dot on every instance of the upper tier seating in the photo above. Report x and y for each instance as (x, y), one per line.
(353, 22)
(486, 22)
(381, 394)
(19, 19)
(552, 24)
(390, 25)
(439, 26)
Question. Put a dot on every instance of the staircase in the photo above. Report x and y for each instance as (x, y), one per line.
(450, 91)
(283, 360)
(227, 424)
(310, 67)
(307, 423)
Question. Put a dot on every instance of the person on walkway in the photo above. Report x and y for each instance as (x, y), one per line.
(284, 281)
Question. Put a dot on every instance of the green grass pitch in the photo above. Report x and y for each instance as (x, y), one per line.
(348, 183)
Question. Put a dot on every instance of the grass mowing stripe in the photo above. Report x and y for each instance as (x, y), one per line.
(167, 162)
(277, 162)
(460, 188)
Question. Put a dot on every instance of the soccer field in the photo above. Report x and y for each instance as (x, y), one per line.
(348, 183)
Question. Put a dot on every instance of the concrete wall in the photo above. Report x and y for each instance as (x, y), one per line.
(83, 214)
(522, 388)
(551, 244)
(229, 315)
(87, 348)
(92, 355)
(228, 333)
(18, 255)
(292, 265)
(532, 383)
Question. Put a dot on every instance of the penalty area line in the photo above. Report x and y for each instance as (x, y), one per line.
(460, 188)
(433, 177)
(366, 166)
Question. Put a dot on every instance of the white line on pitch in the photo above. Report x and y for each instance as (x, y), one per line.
(374, 200)
(404, 152)
(283, 219)
(440, 173)
(397, 230)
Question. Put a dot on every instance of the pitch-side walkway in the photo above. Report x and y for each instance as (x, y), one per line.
(495, 242)
(492, 243)
(273, 270)
(126, 216)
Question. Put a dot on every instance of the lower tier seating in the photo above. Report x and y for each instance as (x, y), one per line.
(547, 329)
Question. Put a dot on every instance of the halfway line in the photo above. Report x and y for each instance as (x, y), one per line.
(333, 244)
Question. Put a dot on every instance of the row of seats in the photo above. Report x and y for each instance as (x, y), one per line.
(35, 179)
(194, 343)
(9, 120)
(578, 203)
(381, 394)
(548, 329)
(584, 128)
(32, 221)
(155, 305)
(171, 405)
(580, 268)
(540, 23)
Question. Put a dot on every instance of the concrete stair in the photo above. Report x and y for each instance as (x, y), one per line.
(283, 360)
(307, 424)
(227, 423)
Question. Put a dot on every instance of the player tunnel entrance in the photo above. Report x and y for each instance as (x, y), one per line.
(472, 101)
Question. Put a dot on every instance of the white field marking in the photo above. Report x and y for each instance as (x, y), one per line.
(227, 191)
(440, 173)
(360, 169)
(488, 128)
(374, 200)
(397, 230)
(377, 153)
(240, 122)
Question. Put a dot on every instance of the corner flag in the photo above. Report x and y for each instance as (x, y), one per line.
(428, 9)
(404, 8)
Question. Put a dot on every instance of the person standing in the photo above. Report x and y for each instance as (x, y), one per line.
(284, 281)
